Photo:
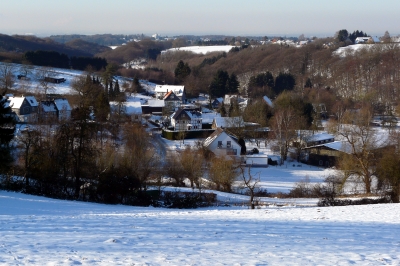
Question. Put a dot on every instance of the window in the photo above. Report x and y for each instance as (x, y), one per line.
(228, 144)
(219, 144)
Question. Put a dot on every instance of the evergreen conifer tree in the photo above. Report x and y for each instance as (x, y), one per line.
(7, 129)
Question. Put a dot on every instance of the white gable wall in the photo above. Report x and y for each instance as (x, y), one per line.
(222, 151)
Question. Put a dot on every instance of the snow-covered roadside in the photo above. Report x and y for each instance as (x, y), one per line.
(37, 231)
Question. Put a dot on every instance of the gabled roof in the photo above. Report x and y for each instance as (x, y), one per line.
(320, 136)
(155, 103)
(341, 146)
(32, 101)
(213, 136)
(228, 122)
(170, 96)
(48, 106)
(62, 104)
(16, 102)
(190, 113)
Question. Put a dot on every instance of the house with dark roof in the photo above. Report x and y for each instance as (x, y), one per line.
(222, 144)
(171, 102)
(186, 120)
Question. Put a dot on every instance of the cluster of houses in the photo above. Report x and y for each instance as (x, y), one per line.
(26, 109)
(319, 149)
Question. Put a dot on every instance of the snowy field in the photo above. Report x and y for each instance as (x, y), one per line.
(42, 231)
(202, 49)
(32, 85)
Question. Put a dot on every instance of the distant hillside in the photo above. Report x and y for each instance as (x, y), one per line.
(88, 47)
(22, 44)
(132, 50)
(100, 39)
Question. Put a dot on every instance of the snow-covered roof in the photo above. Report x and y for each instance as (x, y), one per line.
(227, 122)
(342, 146)
(209, 117)
(32, 101)
(130, 108)
(213, 136)
(62, 104)
(133, 108)
(155, 103)
(48, 106)
(16, 102)
(321, 136)
(193, 114)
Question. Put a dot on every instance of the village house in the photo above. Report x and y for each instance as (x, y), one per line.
(24, 108)
(178, 90)
(58, 109)
(171, 102)
(186, 120)
(153, 106)
(217, 103)
(222, 144)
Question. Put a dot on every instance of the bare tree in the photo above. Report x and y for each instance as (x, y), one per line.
(6, 77)
(250, 182)
(283, 126)
(192, 162)
(173, 168)
(43, 74)
(361, 142)
(140, 159)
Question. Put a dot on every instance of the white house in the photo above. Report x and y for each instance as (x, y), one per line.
(178, 90)
(366, 39)
(222, 144)
(186, 120)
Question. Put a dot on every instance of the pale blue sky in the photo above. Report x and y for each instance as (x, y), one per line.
(175, 17)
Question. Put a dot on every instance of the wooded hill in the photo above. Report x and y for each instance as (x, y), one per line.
(21, 44)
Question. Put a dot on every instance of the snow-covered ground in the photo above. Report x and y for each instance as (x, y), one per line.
(32, 85)
(202, 49)
(41, 231)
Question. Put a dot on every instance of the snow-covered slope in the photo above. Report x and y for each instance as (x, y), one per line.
(41, 231)
(202, 49)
